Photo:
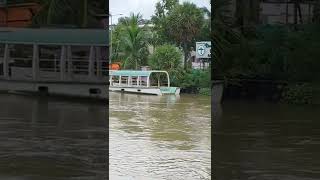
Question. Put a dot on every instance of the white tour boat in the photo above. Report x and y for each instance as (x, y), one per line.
(142, 82)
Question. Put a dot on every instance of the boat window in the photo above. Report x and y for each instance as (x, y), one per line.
(78, 60)
(124, 80)
(20, 61)
(134, 80)
(144, 81)
(49, 62)
(115, 80)
(158, 79)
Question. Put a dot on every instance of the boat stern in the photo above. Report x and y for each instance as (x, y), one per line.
(170, 90)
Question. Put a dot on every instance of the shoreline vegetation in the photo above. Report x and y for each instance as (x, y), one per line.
(273, 62)
(164, 43)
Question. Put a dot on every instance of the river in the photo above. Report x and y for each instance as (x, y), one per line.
(159, 137)
(151, 137)
(52, 139)
(266, 141)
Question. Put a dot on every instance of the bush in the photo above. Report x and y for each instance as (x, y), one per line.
(167, 58)
(196, 79)
(276, 53)
(205, 91)
(298, 94)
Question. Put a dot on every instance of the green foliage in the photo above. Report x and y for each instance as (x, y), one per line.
(298, 94)
(160, 19)
(183, 24)
(79, 13)
(130, 43)
(196, 79)
(180, 24)
(205, 91)
(223, 35)
(277, 53)
(205, 30)
(168, 58)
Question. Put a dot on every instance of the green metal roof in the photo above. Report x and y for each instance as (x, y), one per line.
(133, 73)
(129, 73)
(86, 37)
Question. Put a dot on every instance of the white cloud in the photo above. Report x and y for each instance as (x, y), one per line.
(145, 7)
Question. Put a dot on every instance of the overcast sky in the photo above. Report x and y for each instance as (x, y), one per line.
(145, 7)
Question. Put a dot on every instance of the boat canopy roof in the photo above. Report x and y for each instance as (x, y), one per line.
(133, 73)
(48, 36)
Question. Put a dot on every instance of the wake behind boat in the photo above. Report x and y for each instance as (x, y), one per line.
(143, 82)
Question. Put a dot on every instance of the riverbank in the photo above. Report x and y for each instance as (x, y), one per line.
(273, 91)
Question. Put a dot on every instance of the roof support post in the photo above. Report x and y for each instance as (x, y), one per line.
(98, 60)
(63, 63)
(148, 81)
(5, 61)
(91, 62)
(69, 59)
(111, 81)
(35, 62)
(168, 79)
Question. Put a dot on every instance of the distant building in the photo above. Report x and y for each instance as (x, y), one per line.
(282, 12)
(17, 13)
(278, 11)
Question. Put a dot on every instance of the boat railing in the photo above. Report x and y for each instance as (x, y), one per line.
(20, 68)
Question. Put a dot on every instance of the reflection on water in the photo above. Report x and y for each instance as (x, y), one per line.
(261, 141)
(51, 139)
(159, 137)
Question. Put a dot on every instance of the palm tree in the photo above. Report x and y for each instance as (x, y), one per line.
(184, 24)
(224, 36)
(75, 12)
(316, 11)
(134, 41)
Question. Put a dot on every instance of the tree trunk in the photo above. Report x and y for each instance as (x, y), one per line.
(239, 13)
(299, 11)
(287, 9)
(295, 8)
(255, 6)
(185, 50)
(85, 14)
(316, 12)
(136, 64)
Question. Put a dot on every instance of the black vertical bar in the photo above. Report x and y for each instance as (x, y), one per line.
(107, 103)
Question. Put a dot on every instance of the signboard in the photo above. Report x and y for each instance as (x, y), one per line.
(203, 49)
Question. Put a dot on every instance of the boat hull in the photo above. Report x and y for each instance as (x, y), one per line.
(145, 90)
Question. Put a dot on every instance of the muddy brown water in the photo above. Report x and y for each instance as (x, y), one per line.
(151, 137)
(266, 141)
(48, 138)
(160, 137)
